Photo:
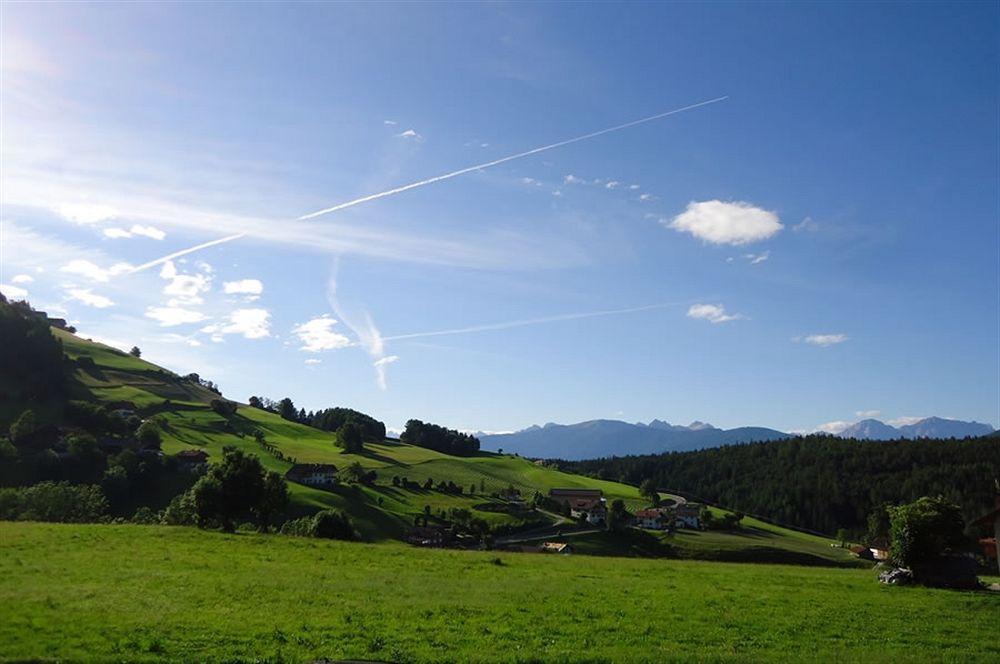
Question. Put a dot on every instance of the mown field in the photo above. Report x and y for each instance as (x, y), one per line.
(147, 593)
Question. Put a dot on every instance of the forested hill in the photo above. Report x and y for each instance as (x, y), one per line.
(819, 482)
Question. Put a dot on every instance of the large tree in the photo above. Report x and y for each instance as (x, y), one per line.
(237, 487)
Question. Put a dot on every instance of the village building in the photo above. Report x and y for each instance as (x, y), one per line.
(688, 515)
(432, 536)
(313, 474)
(586, 504)
(564, 548)
(651, 519)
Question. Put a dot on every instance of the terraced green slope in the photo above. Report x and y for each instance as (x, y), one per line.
(384, 511)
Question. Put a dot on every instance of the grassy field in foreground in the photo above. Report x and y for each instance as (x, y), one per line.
(134, 593)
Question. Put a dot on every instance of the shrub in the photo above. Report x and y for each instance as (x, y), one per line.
(331, 524)
(925, 530)
(145, 516)
(148, 433)
(181, 511)
(223, 407)
(23, 427)
(54, 501)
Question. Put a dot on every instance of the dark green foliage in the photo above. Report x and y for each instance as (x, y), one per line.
(53, 501)
(329, 524)
(135, 352)
(23, 427)
(349, 435)
(234, 488)
(356, 474)
(31, 358)
(925, 530)
(286, 409)
(148, 433)
(818, 482)
(223, 407)
(273, 501)
(648, 491)
(7, 450)
(181, 511)
(618, 516)
(333, 419)
(434, 437)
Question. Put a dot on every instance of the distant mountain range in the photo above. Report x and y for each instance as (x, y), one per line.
(602, 438)
(929, 427)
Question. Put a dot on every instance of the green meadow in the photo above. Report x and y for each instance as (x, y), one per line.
(157, 593)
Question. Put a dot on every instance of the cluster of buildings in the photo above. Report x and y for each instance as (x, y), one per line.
(588, 504)
(686, 515)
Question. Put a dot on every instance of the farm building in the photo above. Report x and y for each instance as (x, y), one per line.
(688, 515)
(991, 522)
(313, 474)
(565, 496)
(652, 518)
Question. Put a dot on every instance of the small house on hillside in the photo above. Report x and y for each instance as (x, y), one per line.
(565, 548)
(688, 515)
(565, 496)
(313, 474)
(191, 459)
(433, 536)
(652, 518)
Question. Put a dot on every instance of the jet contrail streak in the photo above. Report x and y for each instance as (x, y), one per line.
(495, 162)
(439, 178)
(532, 321)
(184, 252)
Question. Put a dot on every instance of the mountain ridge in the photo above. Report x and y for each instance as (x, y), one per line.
(599, 438)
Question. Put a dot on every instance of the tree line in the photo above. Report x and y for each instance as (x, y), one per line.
(818, 482)
(440, 439)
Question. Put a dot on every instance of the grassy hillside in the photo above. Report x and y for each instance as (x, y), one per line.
(180, 594)
(384, 511)
(380, 512)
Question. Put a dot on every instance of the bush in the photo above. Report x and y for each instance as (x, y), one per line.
(54, 501)
(181, 511)
(925, 530)
(23, 427)
(145, 516)
(148, 433)
(223, 407)
(328, 524)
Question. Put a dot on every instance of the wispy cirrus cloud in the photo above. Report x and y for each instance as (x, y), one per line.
(822, 339)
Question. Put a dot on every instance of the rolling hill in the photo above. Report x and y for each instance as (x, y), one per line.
(382, 511)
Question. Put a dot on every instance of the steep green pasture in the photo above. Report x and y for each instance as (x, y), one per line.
(135, 593)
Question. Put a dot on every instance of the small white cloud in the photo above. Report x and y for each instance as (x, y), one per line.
(531, 182)
(181, 339)
(390, 123)
(312, 361)
(85, 268)
(251, 288)
(557, 192)
(410, 134)
(612, 184)
(184, 289)
(173, 315)
(834, 427)
(757, 258)
(13, 291)
(380, 367)
(22, 279)
(807, 225)
(318, 335)
(719, 222)
(634, 187)
(866, 414)
(116, 233)
(86, 213)
(645, 198)
(151, 232)
(90, 299)
(824, 339)
(572, 179)
(714, 313)
(251, 323)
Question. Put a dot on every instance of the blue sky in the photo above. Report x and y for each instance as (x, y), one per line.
(820, 246)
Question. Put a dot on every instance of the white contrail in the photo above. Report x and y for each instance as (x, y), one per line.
(495, 162)
(184, 252)
(532, 321)
(439, 178)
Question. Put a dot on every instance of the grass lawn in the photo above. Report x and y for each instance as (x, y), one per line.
(112, 593)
